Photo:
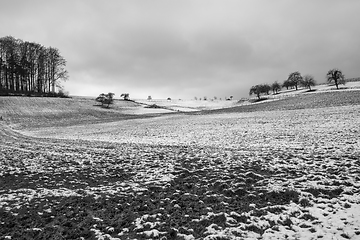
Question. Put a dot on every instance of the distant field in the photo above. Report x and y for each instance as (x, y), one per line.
(301, 101)
(27, 112)
(191, 105)
(280, 169)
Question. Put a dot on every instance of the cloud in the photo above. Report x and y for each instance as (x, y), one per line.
(188, 48)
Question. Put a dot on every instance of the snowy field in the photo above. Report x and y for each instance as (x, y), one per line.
(286, 169)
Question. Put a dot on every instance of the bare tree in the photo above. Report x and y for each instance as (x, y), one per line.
(275, 87)
(308, 81)
(101, 98)
(29, 67)
(287, 84)
(106, 99)
(295, 79)
(259, 89)
(56, 67)
(336, 76)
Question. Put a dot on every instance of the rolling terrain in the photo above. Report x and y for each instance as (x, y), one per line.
(283, 169)
(29, 112)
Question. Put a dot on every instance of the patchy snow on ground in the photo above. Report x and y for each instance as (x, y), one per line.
(281, 174)
(190, 105)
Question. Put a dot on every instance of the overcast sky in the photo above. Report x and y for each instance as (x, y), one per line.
(183, 48)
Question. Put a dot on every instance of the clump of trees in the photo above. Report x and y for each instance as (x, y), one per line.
(286, 84)
(275, 87)
(259, 89)
(308, 81)
(229, 98)
(28, 67)
(295, 80)
(105, 99)
(125, 96)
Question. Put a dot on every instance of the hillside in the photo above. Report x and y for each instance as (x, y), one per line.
(343, 96)
(29, 112)
(300, 101)
(74, 171)
(36, 111)
(190, 105)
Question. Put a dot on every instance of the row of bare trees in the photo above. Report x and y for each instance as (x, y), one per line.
(27, 67)
(295, 80)
(108, 99)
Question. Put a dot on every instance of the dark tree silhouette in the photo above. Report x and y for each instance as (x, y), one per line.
(336, 76)
(275, 87)
(295, 79)
(255, 90)
(126, 96)
(27, 67)
(266, 88)
(100, 98)
(229, 98)
(308, 81)
(106, 99)
(287, 84)
(56, 67)
(259, 89)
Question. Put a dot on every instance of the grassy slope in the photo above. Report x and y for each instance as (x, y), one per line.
(32, 111)
(209, 127)
(191, 105)
(27, 112)
(303, 101)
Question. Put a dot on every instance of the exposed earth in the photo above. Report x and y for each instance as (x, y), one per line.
(283, 169)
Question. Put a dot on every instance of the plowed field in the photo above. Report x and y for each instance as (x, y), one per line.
(279, 174)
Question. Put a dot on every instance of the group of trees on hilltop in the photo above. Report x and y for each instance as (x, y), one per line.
(126, 96)
(28, 67)
(108, 99)
(259, 89)
(295, 80)
(105, 99)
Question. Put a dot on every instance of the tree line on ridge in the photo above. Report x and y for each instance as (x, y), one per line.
(295, 80)
(29, 67)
